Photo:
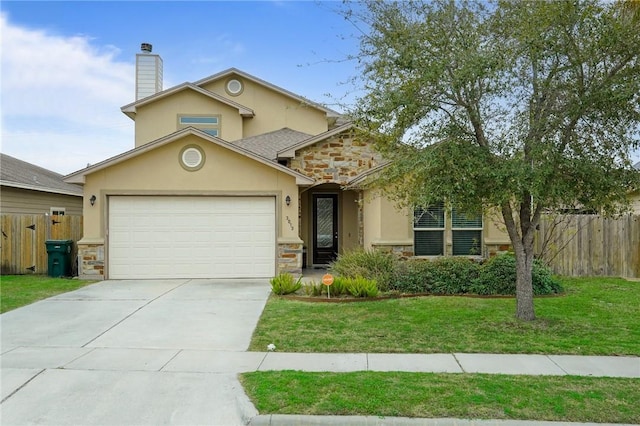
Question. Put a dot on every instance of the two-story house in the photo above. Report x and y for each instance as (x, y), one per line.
(232, 176)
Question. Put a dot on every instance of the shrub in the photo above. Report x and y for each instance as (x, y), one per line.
(453, 275)
(312, 288)
(285, 283)
(444, 275)
(361, 287)
(412, 276)
(370, 264)
(498, 276)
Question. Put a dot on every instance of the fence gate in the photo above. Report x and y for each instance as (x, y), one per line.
(22, 243)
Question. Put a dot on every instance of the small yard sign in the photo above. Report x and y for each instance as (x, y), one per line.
(327, 280)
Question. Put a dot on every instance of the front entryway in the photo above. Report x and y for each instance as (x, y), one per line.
(325, 228)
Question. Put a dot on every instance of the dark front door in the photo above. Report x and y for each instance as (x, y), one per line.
(325, 228)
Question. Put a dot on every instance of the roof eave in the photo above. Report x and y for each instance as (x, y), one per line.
(80, 175)
(19, 185)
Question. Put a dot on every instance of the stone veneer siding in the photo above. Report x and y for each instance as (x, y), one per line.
(401, 251)
(336, 160)
(91, 261)
(290, 258)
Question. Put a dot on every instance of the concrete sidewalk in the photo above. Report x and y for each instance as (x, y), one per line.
(544, 365)
(554, 365)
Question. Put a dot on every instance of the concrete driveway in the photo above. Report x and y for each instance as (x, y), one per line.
(132, 352)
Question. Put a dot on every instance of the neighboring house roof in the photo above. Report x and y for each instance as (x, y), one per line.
(20, 174)
(130, 109)
(290, 151)
(268, 144)
(79, 176)
(637, 166)
(230, 71)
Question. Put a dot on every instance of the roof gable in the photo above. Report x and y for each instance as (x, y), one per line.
(20, 174)
(79, 176)
(130, 109)
(234, 71)
(290, 152)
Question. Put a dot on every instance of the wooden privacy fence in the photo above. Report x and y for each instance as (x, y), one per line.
(588, 245)
(22, 242)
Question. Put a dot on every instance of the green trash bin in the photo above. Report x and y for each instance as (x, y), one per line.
(59, 257)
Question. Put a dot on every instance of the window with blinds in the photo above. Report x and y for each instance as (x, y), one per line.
(428, 231)
(466, 233)
(431, 227)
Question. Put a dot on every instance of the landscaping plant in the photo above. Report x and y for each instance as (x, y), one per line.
(374, 265)
(285, 283)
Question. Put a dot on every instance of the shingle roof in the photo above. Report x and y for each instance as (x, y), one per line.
(268, 144)
(20, 174)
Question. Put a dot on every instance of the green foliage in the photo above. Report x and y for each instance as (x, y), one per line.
(445, 275)
(467, 110)
(459, 275)
(285, 283)
(312, 288)
(498, 276)
(370, 264)
(361, 287)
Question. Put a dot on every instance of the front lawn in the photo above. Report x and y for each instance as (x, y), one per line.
(468, 396)
(596, 316)
(21, 290)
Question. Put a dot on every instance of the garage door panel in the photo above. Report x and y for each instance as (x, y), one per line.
(191, 237)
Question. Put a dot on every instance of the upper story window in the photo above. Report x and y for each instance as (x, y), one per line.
(433, 226)
(207, 123)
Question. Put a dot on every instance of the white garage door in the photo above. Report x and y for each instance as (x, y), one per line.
(191, 237)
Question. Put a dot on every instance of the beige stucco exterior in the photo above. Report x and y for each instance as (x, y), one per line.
(159, 173)
(327, 162)
(158, 119)
(274, 110)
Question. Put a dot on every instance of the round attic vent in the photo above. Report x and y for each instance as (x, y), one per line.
(192, 158)
(234, 87)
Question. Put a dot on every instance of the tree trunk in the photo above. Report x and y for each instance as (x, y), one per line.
(524, 283)
(523, 248)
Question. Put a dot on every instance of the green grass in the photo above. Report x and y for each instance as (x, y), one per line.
(476, 396)
(596, 316)
(21, 290)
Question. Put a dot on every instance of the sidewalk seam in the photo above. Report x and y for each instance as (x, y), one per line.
(458, 362)
(557, 365)
(23, 385)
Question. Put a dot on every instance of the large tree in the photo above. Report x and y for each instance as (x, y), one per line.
(522, 107)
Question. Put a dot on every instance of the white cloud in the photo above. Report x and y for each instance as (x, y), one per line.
(61, 98)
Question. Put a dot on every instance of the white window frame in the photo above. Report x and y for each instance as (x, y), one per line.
(474, 228)
(447, 231)
(441, 230)
(191, 120)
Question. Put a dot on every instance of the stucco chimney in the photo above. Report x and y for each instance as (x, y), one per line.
(148, 72)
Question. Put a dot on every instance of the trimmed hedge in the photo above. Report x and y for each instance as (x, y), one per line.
(444, 275)
(498, 276)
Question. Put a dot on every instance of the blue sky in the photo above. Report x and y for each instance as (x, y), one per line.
(68, 67)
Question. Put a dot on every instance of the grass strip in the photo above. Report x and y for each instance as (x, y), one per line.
(21, 290)
(427, 395)
(596, 316)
